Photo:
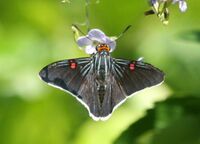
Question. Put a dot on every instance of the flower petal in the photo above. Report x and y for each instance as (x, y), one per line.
(111, 43)
(97, 35)
(182, 6)
(90, 49)
(175, 1)
(84, 41)
(153, 2)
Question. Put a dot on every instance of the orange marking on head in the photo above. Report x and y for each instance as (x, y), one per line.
(102, 47)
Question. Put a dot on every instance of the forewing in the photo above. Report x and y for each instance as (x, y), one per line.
(68, 75)
(76, 76)
(125, 78)
(135, 75)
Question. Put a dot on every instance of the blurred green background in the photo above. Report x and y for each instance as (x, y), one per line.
(35, 33)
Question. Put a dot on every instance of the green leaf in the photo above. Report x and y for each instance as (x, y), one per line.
(174, 121)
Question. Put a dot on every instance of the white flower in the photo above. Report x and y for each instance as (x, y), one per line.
(95, 37)
(182, 5)
(160, 8)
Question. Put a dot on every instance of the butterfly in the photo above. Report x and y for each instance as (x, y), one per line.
(100, 82)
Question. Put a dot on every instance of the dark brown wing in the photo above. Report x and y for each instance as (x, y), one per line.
(78, 79)
(125, 78)
(133, 76)
(62, 75)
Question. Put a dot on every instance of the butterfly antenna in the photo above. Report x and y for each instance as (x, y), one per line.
(77, 28)
(124, 31)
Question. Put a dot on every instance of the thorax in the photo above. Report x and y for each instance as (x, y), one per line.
(102, 65)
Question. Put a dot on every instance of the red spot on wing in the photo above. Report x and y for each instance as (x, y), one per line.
(132, 66)
(72, 64)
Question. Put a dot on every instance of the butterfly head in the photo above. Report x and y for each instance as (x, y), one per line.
(102, 48)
